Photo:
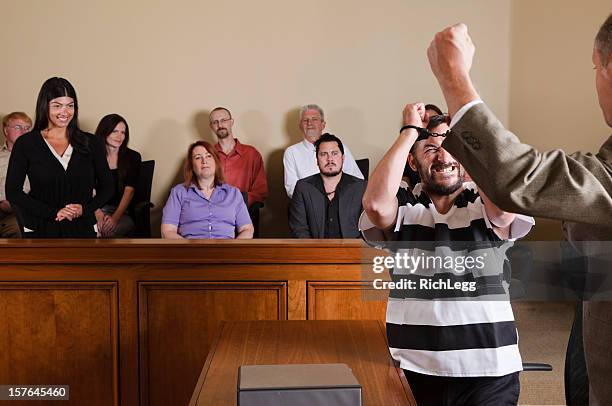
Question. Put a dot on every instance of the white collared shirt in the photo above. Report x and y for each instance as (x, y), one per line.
(463, 110)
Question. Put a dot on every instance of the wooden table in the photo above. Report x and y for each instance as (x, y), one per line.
(359, 344)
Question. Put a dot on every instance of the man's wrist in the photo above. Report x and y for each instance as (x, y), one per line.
(458, 92)
(409, 127)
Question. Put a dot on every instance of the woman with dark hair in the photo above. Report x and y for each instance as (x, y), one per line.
(203, 206)
(63, 165)
(114, 133)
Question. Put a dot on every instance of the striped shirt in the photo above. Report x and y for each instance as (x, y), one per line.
(445, 330)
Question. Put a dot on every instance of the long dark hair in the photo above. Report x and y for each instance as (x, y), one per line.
(52, 89)
(104, 129)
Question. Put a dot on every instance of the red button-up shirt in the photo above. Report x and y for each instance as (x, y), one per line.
(243, 168)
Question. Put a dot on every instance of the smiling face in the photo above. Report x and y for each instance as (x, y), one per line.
(203, 163)
(312, 125)
(61, 111)
(117, 136)
(440, 173)
(330, 159)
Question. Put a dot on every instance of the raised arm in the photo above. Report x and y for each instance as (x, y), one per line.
(379, 199)
(526, 181)
(450, 56)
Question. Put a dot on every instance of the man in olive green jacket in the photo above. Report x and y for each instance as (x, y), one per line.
(576, 189)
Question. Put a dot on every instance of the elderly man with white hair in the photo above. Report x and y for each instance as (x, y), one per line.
(300, 160)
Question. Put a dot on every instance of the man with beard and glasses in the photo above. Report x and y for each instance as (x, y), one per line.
(242, 164)
(327, 204)
(456, 346)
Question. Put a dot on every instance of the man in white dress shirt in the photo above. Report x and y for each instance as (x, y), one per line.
(14, 125)
(300, 159)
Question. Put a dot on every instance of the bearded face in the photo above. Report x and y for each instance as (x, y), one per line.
(221, 123)
(330, 159)
(440, 172)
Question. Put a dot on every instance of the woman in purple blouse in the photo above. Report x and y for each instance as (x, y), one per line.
(203, 206)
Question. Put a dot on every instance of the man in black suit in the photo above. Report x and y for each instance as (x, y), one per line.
(327, 204)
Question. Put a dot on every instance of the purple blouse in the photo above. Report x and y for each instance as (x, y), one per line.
(198, 217)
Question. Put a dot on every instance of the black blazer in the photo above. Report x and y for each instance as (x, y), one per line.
(307, 207)
(52, 187)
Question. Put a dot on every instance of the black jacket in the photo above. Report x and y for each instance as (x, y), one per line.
(52, 187)
(307, 207)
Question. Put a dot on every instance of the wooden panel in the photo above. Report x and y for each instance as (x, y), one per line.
(359, 344)
(297, 300)
(345, 301)
(182, 252)
(178, 322)
(62, 334)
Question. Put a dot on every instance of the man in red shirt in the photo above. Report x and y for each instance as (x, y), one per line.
(242, 164)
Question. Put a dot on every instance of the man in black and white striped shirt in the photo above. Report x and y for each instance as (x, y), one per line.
(457, 345)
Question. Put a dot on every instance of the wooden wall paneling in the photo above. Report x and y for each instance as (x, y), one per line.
(61, 333)
(296, 307)
(345, 300)
(130, 264)
(128, 336)
(178, 322)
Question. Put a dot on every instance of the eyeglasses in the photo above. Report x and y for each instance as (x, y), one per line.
(222, 121)
(19, 127)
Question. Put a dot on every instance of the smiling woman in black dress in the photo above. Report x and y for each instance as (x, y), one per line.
(63, 164)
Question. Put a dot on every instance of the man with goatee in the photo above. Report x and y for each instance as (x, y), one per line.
(242, 164)
(456, 347)
(327, 204)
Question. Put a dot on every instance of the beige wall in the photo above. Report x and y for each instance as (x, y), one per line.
(164, 65)
(553, 103)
